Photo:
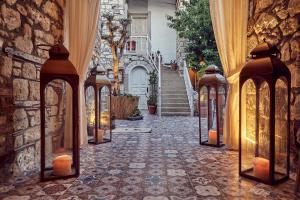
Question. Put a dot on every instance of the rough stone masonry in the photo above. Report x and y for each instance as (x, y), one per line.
(278, 23)
(23, 26)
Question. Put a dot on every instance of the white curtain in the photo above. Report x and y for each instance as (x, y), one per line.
(229, 19)
(80, 27)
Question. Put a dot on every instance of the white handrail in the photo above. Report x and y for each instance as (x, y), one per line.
(189, 88)
(159, 84)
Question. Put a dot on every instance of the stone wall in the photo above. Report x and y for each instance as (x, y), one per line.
(103, 53)
(277, 22)
(180, 51)
(23, 26)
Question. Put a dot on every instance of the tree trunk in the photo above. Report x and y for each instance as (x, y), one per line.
(116, 76)
(116, 63)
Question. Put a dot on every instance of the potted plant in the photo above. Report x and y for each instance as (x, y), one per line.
(135, 115)
(152, 104)
(174, 65)
(152, 97)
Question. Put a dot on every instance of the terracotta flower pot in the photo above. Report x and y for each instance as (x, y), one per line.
(152, 109)
(193, 76)
(174, 66)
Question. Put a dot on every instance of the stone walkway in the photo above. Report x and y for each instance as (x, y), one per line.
(167, 164)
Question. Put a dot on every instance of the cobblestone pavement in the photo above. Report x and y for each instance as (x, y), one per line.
(166, 164)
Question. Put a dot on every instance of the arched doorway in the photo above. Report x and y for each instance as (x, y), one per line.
(138, 83)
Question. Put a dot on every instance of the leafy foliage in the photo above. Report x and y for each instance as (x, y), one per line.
(193, 22)
(152, 100)
(153, 80)
(136, 113)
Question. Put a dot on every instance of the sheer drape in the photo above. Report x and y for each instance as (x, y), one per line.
(229, 19)
(81, 19)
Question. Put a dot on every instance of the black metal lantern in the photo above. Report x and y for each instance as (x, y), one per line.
(100, 122)
(211, 104)
(59, 150)
(264, 110)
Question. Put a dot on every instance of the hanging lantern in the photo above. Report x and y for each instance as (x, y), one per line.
(265, 87)
(59, 148)
(211, 105)
(100, 118)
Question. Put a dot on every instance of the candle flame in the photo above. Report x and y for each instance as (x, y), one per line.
(278, 136)
(250, 140)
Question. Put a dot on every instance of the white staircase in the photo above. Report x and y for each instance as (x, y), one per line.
(175, 95)
(174, 99)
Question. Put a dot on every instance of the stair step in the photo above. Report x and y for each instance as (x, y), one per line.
(175, 105)
(170, 97)
(172, 80)
(174, 95)
(172, 86)
(175, 113)
(173, 92)
(174, 101)
(175, 109)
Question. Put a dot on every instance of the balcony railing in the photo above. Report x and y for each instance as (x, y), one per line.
(138, 45)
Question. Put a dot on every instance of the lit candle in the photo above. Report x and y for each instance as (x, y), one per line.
(104, 119)
(261, 168)
(62, 165)
(212, 137)
(100, 135)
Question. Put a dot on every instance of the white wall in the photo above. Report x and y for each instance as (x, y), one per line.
(163, 38)
(138, 6)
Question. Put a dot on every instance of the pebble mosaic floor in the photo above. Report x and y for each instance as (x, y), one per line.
(166, 164)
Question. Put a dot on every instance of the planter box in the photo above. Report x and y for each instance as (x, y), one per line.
(123, 106)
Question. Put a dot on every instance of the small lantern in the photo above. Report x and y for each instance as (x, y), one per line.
(265, 87)
(59, 150)
(101, 119)
(211, 105)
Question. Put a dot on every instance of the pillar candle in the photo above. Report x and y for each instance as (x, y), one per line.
(261, 168)
(100, 135)
(104, 121)
(104, 118)
(212, 137)
(62, 165)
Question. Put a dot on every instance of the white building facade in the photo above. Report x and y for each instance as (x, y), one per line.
(149, 33)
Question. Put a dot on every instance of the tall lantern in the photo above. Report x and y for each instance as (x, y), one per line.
(59, 148)
(264, 147)
(101, 118)
(212, 99)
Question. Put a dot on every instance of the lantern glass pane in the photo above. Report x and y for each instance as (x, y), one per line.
(90, 110)
(281, 128)
(248, 126)
(213, 110)
(203, 96)
(212, 117)
(58, 135)
(105, 123)
(222, 104)
(264, 121)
